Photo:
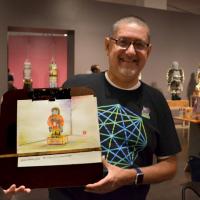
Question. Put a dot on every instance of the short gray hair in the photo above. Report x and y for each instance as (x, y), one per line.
(130, 20)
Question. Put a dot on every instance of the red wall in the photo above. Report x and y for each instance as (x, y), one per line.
(39, 50)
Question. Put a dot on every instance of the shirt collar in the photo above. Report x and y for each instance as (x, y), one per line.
(136, 86)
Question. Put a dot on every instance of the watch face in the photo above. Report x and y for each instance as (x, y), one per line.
(139, 178)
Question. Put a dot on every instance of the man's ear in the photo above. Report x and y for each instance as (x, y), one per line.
(107, 44)
(149, 50)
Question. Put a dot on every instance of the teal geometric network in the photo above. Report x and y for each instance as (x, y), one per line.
(122, 134)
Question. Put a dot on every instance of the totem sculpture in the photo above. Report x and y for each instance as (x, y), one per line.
(175, 79)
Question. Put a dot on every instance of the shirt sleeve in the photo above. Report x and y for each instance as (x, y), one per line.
(168, 142)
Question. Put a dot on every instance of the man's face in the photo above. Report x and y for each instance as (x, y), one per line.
(54, 111)
(125, 64)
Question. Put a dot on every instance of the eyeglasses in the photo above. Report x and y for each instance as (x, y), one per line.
(124, 43)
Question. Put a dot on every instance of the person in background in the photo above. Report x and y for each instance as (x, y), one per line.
(134, 119)
(95, 69)
(11, 82)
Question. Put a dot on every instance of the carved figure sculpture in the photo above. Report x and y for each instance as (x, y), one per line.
(175, 79)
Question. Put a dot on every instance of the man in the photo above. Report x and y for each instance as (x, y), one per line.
(135, 121)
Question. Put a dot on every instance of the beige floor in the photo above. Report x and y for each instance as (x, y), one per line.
(169, 190)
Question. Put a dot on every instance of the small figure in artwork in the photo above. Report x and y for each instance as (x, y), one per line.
(175, 79)
(55, 123)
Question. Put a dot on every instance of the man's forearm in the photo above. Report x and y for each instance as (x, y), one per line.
(163, 170)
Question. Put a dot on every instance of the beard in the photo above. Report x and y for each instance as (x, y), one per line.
(129, 72)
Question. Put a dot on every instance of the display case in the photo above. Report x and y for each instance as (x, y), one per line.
(40, 57)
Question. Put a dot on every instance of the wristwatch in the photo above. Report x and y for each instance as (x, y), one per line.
(139, 176)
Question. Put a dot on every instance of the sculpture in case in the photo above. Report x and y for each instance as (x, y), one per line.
(175, 79)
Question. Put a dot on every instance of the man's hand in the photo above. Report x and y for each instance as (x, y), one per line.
(116, 177)
(13, 190)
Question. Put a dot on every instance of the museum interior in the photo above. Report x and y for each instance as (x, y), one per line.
(44, 43)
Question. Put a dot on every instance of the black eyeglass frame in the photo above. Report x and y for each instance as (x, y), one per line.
(133, 42)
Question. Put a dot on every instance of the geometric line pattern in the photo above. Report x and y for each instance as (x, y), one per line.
(122, 134)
